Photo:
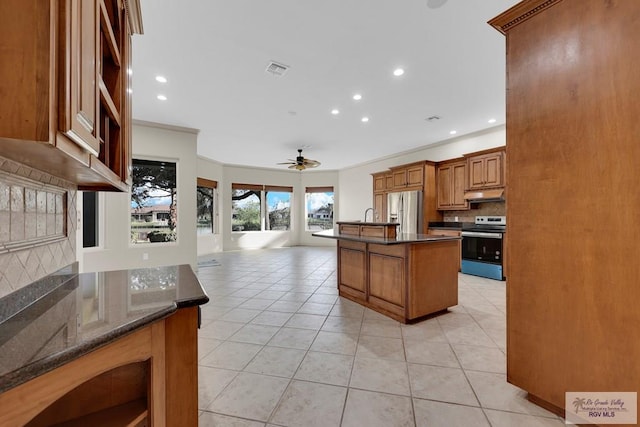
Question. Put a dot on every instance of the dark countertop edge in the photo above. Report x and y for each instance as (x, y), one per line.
(36, 369)
(192, 302)
(428, 238)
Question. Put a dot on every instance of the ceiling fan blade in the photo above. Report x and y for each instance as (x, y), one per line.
(298, 167)
(287, 163)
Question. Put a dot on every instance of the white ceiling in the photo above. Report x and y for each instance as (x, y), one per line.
(214, 54)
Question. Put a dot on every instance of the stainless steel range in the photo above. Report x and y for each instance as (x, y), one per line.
(482, 247)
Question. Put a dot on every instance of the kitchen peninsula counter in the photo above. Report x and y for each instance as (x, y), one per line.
(121, 341)
(406, 277)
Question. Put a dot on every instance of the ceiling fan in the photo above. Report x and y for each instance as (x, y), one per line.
(300, 163)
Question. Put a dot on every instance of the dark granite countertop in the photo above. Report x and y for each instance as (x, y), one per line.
(400, 239)
(66, 315)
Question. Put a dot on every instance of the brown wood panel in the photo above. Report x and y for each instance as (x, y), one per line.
(458, 185)
(572, 147)
(352, 265)
(113, 388)
(415, 176)
(430, 210)
(350, 229)
(433, 280)
(380, 206)
(399, 178)
(443, 180)
(379, 181)
(387, 280)
(181, 352)
(26, 70)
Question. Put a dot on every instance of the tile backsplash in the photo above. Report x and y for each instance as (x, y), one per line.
(479, 209)
(37, 225)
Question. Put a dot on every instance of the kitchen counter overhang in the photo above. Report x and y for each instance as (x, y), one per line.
(397, 240)
(65, 316)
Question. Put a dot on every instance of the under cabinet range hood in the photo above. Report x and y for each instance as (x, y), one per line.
(493, 195)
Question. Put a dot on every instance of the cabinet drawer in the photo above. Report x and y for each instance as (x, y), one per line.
(351, 230)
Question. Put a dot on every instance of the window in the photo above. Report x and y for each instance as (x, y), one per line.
(247, 212)
(319, 208)
(205, 197)
(154, 209)
(278, 208)
(246, 207)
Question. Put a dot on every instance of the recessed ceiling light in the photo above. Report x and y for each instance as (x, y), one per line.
(364, 119)
(492, 120)
(453, 132)
(161, 79)
(398, 72)
(357, 97)
(161, 97)
(335, 111)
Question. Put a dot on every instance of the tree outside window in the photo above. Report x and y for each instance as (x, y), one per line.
(245, 208)
(205, 197)
(154, 209)
(319, 208)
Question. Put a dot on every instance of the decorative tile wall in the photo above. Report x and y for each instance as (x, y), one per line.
(491, 208)
(37, 225)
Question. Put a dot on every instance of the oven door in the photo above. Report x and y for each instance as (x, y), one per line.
(482, 246)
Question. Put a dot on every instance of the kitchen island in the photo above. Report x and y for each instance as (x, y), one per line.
(405, 277)
(110, 348)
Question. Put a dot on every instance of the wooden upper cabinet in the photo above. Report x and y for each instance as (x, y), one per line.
(451, 177)
(379, 182)
(486, 170)
(79, 90)
(408, 176)
(65, 65)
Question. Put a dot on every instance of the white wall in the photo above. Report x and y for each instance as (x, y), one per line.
(212, 170)
(356, 183)
(116, 251)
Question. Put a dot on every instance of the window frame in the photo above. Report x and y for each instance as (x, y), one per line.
(317, 190)
(213, 185)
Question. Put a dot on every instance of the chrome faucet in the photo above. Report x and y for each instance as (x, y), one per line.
(374, 214)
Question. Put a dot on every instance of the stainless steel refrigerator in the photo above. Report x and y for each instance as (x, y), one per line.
(405, 208)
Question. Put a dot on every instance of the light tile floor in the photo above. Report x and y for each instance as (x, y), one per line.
(278, 347)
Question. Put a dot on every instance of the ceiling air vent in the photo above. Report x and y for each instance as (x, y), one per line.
(277, 69)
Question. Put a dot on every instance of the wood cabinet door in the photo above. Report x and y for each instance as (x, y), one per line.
(493, 170)
(379, 182)
(389, 181)
(415, 176)
(79, 96)
(458, 183)
(352, 268)
(476, 172)
(399, 178)
(380, 206)
(444, 177)
(387, 282)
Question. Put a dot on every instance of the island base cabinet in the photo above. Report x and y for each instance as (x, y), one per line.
(434, 280)
(352, 269)
(146, 378)
(387, 278)
(403, 281)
